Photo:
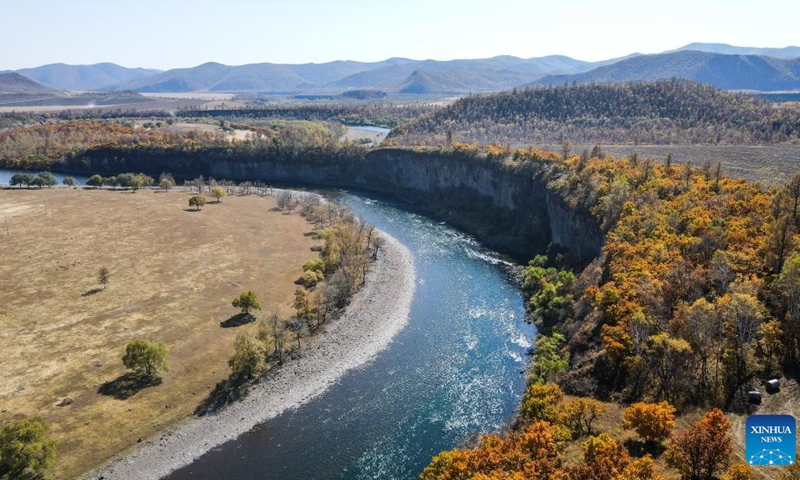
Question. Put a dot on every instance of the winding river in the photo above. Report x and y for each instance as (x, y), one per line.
(453, 372)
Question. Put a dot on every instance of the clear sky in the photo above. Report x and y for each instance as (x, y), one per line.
(181, 33)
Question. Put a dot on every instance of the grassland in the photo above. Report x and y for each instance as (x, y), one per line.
(173, 275)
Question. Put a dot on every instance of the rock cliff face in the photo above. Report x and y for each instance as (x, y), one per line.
(508, 208)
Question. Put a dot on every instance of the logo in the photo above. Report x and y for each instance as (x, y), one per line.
(771, 440)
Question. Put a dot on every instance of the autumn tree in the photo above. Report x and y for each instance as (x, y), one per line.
(217, 193)
(541, 402)
(580, 414)
(25, 449)
(739, 471)
(145, 358)
(197, 201)
(247, 359)
(247, 301)
(302, 303)
(702, 449)
(651, 421)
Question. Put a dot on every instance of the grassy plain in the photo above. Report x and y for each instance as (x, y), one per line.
(173, 275)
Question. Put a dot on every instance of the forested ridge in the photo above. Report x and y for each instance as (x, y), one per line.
(661, 112)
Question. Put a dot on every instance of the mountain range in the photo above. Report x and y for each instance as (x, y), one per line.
(730, 72)
(725, 66)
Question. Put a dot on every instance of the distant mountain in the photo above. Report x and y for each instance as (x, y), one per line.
(730, 72)
(100, 76)
(725, 49)
(392, 75)
(707, 62)
(14, 83)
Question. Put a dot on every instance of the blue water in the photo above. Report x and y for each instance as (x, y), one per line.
(5, 176)
(453, 372)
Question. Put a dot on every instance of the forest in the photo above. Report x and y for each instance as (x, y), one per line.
(692, 303)
(662, 112)
(68, 144)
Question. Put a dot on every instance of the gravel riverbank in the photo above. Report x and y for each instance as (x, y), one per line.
(378, 312)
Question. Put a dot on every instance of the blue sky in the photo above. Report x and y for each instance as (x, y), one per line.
(180, 33)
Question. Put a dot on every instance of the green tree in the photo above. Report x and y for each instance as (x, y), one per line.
(69, 181)
(95, 181)
(247, 358)
(247, 301)
(197, 202)
(25, 448)
(46, 179)
(218, 192)
(20, 179)
(145, 357)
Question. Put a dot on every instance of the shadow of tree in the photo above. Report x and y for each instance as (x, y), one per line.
(128, 385)
(238, 320)
(91, 292)
(639, 448)
(225, 392)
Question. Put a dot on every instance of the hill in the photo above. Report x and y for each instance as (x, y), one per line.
(725, 49)
(732, 72)
(14, 83)
(392, 75)
(662, 112)
(100, 76)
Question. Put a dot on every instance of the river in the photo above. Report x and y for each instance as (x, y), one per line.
(455, 371)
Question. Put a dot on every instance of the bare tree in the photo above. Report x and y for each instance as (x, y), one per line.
(102, 276)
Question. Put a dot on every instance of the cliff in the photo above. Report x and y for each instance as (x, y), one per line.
(508, 207)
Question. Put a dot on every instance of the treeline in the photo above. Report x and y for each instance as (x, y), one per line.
(662, 112)
(325, 289)
(378, 114)
(77, 145)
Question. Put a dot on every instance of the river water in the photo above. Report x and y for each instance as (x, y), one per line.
(453, 372)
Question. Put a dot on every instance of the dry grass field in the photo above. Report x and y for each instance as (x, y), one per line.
(173, 275)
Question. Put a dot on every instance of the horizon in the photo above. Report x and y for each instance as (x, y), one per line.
(183, 35)
(111, 62)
